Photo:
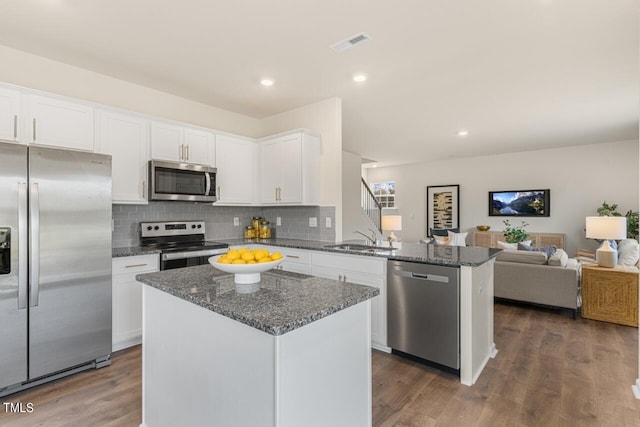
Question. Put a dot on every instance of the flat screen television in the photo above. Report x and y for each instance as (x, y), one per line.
(519, 203)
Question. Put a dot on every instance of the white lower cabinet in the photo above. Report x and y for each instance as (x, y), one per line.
(363, 270)
(295, 260)
(126, 306)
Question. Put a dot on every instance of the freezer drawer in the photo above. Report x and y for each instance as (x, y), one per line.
(423, 309)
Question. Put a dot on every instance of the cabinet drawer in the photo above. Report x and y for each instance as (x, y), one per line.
(363, 264)
(136, 264)
(296, 267)
(299, 256)
(348, 276)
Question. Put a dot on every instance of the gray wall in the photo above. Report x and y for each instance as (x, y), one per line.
(219, 220)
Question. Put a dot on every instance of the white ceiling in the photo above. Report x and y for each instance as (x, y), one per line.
(518, 74)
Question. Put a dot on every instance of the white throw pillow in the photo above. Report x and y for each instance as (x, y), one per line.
(628, 252)
(457, 239)
(513, 246)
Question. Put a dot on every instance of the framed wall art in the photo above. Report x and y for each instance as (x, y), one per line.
(519, 203)
(443, 207)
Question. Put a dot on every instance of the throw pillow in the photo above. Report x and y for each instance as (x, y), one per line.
(457, 239)
(442, 231)
(549, 250)
(512, 246)
(559, 258)
(523, 257)
(628, 252)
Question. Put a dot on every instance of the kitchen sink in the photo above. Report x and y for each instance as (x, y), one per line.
(356, 247)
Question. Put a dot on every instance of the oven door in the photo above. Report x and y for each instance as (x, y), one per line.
(173, 260)
(181, 181)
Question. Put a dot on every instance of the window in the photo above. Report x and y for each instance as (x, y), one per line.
(385, 193)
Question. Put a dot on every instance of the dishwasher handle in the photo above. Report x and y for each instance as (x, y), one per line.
(422, 276)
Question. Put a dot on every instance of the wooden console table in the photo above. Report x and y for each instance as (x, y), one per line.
(610, 294)
(489, 239)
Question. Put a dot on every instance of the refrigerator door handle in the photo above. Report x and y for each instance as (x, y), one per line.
(35, 246)
(23, 261)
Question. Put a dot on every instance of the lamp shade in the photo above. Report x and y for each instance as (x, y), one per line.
(391, 222)
(606, 227)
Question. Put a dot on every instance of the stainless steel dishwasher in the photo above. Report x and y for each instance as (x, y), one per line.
(423, 311)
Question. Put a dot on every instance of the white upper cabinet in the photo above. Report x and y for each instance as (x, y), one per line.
(180, 144)
(9, 115)
(60, 123)
(235, 161)
(126, 138)
(290, 169)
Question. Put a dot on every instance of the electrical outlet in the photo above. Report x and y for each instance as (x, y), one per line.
(278, 221)
(313, 221)
(236, 221)
(327, 222)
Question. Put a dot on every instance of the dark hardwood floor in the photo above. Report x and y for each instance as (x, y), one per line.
(551, 370)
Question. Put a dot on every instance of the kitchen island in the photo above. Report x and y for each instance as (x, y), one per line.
(296, 352)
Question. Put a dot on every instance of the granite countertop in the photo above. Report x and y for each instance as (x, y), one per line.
(284, 302)
(472, 256)
(456, 256)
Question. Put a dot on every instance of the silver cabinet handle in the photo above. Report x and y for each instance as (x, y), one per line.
(34, 130)
(35, 245)
(135, 265)
(22, 246)
(344, 278)
(181, 152)
(293, 256)
(276, 195)
(340, 278)
(15, 126)
(144, 184)
(280, 193)
(187, 147)
(218, 195)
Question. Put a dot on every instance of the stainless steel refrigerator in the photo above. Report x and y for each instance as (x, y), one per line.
(55, 264)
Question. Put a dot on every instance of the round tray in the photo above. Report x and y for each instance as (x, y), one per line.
(245, 274)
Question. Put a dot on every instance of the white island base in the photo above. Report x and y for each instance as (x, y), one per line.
(203, 369)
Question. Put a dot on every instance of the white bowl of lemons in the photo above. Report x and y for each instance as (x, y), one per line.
(246, 265)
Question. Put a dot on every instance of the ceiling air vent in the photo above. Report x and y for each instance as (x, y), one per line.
(350, 42)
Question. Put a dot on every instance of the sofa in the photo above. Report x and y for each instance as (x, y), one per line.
(534, 277)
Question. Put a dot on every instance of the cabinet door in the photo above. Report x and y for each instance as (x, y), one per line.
(126, 308)
(61, 123)
(167, 142)
(290, 182)
(270, 166)
(235, 163)
(197, 146)
(9, 115)
(126, 139)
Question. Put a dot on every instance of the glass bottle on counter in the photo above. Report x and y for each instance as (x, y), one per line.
(255, 222)
(249, 232)
(265, 230)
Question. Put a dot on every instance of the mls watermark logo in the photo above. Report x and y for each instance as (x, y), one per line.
(18, 407)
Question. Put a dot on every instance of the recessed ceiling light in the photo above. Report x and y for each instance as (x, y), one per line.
(360, 78)
(463, 132)
(266, 82)
(374, 166)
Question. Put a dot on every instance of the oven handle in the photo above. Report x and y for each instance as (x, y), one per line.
(192, 254)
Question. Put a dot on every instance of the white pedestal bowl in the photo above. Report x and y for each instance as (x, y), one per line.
(246, 276)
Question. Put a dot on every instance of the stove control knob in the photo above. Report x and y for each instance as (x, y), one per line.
(156, 228)
(193, 226)
(149, 227)
(199, 225)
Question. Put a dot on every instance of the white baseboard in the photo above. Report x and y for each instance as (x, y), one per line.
(636, 389)
(493, 351)
(382, 348)
(126, 343)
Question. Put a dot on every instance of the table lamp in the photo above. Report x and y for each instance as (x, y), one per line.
(391, 223)
(606, 228)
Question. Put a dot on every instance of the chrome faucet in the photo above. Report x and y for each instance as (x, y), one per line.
(371, 238)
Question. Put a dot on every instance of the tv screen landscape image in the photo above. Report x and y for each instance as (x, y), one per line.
(519, 203)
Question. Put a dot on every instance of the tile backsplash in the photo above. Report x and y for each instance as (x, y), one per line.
(219, 220)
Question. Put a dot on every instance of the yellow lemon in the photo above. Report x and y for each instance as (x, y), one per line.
(261, 253)
(253, 261)
(276, 256)
(238, 261)
(247, 256)
(232, 254)
(224, 260)
(265, 259)
(243, 250)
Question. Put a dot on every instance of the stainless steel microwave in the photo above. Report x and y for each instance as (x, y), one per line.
(181, 181)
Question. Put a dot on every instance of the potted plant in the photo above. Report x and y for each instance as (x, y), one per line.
(515, 233)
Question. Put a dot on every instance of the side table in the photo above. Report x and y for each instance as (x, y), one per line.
(610, 294)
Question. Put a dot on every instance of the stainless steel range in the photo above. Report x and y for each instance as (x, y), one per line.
(181, 243)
